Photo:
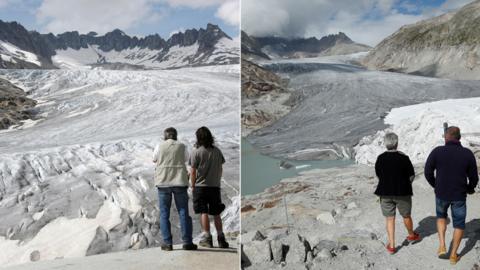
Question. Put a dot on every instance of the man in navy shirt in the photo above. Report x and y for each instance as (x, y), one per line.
(446, 170)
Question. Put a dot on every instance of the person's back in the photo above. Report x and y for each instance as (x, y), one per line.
(170, 170)
(452, 171)
(208, 162)
(453, 165)
(395, 172)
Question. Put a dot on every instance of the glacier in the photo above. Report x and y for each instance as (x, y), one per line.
(78, 178)
(420, 129)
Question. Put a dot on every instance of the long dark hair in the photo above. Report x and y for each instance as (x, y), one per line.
(204, 138)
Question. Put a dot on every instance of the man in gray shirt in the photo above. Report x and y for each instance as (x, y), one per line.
(206, 161)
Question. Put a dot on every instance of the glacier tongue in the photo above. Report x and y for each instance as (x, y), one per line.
(82, 171)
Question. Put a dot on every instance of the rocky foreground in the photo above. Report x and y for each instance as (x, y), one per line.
(14, 105)
(335, 222)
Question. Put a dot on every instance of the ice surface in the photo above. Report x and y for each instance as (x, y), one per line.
(336, 104)
(90, 149)
(420, 128)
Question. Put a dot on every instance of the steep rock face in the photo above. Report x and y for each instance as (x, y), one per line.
(14, 104)
(445, 46)
(303, 47)
(264, 97)
(251, 48)
(193, 47)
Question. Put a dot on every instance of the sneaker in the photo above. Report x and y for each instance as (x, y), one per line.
(189, 247)
(166, 247)
(442, 253)
(222, 243)
(206, 241)
(390, 250)
(454, 258)
(414, 238)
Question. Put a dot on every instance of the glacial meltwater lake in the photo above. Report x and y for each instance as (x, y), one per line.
(260, 171)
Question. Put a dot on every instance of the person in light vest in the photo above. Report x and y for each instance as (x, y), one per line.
(171, 180)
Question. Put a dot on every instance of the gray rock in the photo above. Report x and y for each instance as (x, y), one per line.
(257, 252)
(100, 243)
(326, 218)
(279, 251)
(35, 256)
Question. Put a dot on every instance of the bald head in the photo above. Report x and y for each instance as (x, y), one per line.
(452, 134)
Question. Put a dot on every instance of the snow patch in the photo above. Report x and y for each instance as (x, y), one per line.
(420, 128)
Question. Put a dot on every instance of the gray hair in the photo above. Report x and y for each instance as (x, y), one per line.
(391, 141)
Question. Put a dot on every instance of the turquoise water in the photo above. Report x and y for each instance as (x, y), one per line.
(260, 171)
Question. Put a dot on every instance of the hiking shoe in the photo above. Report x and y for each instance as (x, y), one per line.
(414, 238)
(390, 250)
(206, 241)
(166, 247)
(222, 243)
(191, 246)
(442, 252)
(454, 258)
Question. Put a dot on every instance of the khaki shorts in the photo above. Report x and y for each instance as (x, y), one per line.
(390, 203)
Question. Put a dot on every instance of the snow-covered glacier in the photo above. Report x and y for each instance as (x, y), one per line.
(78, 178)
(420, 128)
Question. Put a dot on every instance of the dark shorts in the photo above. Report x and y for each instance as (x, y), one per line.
(458, 209)
(207, 200)
(389, 204)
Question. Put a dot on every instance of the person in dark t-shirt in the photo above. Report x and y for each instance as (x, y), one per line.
(207, 161)
(395, 173)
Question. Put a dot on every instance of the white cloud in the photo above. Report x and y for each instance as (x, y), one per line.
(86, 15)
(194, 3)
(365, 21)
(229, 12)
(179, 30)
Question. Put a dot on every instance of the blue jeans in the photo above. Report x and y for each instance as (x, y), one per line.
(458, 209)
(180, 196)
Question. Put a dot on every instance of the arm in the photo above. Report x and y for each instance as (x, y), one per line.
(472, 173)
(411, 170)
(156, 151)
(187, 158)
(377, 167)
(430, 169)
(193, 178)
(193, 162)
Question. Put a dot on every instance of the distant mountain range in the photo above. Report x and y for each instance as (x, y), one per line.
(280, 47)
(20, 48)
(445, 46)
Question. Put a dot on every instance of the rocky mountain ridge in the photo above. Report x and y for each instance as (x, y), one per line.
(446, 46)
(280, 47)
(206, 46)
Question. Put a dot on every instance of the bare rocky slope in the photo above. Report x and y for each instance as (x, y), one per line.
(14, 105)
(265, 97)
(446, 46)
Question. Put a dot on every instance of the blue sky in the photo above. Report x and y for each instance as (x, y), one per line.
(139, 17)
(364, 21)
